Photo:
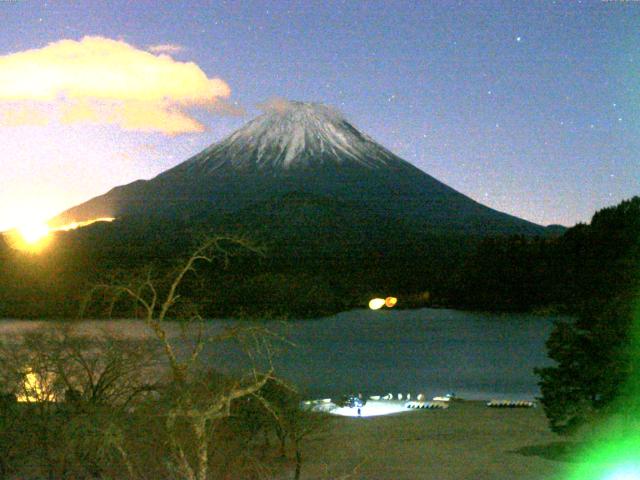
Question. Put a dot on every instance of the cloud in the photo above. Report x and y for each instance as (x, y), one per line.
(19, 115)
(281, 105)
(228, 109)
(99, 80)
(167, 48)
(277, 104)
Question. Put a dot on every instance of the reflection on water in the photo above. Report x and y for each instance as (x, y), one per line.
(376, 352)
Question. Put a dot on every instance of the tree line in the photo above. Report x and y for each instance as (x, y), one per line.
(305, 275)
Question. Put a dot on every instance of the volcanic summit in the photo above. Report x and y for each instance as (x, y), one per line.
(307, 149)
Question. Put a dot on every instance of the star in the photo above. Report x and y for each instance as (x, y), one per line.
(518, 39)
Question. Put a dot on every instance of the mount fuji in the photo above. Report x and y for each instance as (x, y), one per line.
(300, 150)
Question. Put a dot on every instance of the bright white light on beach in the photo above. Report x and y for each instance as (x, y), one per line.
(371, 409)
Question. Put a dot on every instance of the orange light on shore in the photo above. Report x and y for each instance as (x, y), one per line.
(390, 302)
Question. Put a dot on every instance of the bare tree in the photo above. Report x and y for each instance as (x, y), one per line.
(195, 404)
(72, 392)
(98, 405)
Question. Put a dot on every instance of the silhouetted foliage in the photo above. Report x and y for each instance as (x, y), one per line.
(314, 244)
(592, 365)
(594, 353)
(99, 407)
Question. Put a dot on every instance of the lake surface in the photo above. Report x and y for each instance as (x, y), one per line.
(477, 356)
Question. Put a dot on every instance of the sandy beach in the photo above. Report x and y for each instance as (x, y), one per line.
(466, 441)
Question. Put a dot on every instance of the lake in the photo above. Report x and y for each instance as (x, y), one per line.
(433, 351)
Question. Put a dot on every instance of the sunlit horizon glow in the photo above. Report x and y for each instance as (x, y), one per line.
(33, 232)
(76, 225)
(34, 236)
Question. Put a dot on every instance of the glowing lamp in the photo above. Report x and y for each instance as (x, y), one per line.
(376, 303)
(391, 302)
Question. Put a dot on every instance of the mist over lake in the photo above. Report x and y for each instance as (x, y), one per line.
(475, 355)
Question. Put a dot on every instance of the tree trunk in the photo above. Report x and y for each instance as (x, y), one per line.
(298, 459)
(282, 436)
(200, 428)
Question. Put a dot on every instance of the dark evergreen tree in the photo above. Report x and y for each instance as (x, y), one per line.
(592, 365)
(596, 354)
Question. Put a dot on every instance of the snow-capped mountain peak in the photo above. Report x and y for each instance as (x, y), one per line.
(306, 149)
(294, 135)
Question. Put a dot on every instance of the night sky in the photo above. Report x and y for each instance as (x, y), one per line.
(532, 108)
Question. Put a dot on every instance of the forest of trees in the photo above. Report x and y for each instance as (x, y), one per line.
(298, 279)
(585, 264)
(306, 277)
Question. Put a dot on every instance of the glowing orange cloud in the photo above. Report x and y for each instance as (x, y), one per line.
(100, 80)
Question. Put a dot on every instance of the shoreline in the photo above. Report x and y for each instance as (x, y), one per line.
(466, 441)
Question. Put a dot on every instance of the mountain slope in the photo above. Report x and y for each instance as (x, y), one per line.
(301, 147)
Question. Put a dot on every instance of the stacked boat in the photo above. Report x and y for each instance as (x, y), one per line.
(511, 404)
